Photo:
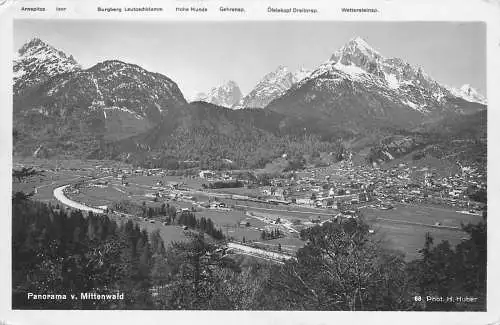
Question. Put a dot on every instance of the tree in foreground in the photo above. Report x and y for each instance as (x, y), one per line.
(195, 275)
(340, 268)
(446, 271)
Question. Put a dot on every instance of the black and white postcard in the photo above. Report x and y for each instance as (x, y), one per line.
(213, 156)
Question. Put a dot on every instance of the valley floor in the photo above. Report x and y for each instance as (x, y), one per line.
(402, 228)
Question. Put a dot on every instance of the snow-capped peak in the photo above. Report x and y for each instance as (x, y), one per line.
(469, 94)
(280, 72)
(301, 74)
(393, 77)
(228, 95)
(37, 61)
(271, 86)
(357, 50)
(469, 91)
(360, 60)
(36, 48)
(281, 68)
(362, 45)
(230, 84)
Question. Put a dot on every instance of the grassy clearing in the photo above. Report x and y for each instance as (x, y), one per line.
(222, 218)
(44, 184)
(169, 234)
(252, 192)
(422, 214)
(409, 239)
(249, 234)
(97, 196)
(229, 223)
(288, 244)
(303, 216)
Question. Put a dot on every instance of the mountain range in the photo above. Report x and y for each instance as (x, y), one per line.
(359, 88)
(360, 62)
(271, 86)
(122, 111)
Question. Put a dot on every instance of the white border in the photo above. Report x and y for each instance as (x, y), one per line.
(389, 10)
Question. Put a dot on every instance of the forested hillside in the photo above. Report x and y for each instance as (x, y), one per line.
(340, 268)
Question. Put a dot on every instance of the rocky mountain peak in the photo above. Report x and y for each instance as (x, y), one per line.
(34, 42)
(301, 74)
(38, 61)
(359, 44)
(114, 96)
(356, 51)
(230, 85)
(358, 86)
(470, 94)
(280, 71)
(227, 95)
(273, 85)
(37, 47)
(467, 89)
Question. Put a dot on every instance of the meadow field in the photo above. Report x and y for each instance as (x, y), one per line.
(404, 227)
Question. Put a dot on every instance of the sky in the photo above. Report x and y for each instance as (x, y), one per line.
(201, 55)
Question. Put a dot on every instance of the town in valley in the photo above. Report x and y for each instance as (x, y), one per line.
(359, 183)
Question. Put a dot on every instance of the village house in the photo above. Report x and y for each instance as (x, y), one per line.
(206, 174)
(304, 201)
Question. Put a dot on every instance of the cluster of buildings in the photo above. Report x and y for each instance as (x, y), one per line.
(354, 186)
(343, 186)
(422, 185)
(314, 192)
